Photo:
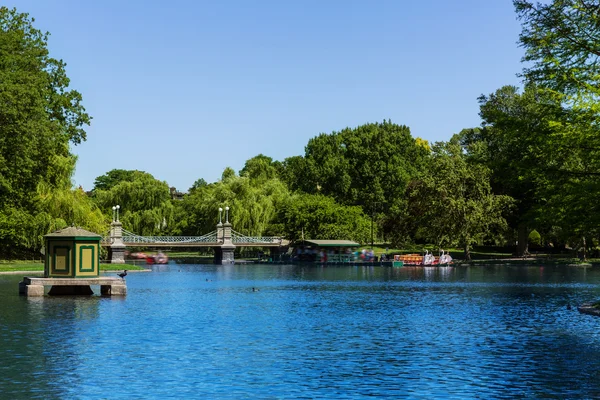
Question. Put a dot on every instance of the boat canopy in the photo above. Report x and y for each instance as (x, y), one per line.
(332, 243)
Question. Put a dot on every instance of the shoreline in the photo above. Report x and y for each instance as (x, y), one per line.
(129, 271)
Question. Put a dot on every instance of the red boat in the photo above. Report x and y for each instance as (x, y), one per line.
(158, 258)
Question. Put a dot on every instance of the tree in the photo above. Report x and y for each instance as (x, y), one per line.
(260, 168)
(39, 117)
(452, 202)
(253, 206)
(113, 178)
(314, 216)
(562, 43)
(298, 174)
(198, 184)
(368, 166)
(145, 202)
(515, 143)
(543, 156)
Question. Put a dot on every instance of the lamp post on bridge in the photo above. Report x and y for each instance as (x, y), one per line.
(117, 247)
(224, 252)
(220, 227)
(116, 212)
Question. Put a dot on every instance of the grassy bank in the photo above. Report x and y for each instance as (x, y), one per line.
(18, 265)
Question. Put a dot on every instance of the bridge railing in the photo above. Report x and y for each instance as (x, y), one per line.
(237, 237)
(132, 238)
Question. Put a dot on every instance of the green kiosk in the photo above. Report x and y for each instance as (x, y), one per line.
(72, 252)
(72, 266)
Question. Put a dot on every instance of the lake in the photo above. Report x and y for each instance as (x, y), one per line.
(201, 331)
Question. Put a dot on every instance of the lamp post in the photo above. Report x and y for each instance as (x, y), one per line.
(118, 206)
(227, 214)
(114, 208)
(220, 211)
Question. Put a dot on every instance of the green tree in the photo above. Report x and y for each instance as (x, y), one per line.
(253, 206)
(452, 202)
(562, 43)
(198, 184)
(39, 117)
(145, 202)
(314, 216)
(114, 177)
(298, 173)
(544, 156)
(514, 144)
(368, 166)
(260, 167)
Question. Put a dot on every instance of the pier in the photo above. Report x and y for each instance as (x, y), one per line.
(109, 286)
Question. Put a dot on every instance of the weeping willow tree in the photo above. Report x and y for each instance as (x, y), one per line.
(145, 203)
(253, 205)
(62, 207)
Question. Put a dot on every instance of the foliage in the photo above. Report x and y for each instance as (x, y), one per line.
(368, 166)
(562, 43)
(252, 205)
(114, 177)
(228, 173)
(297, 172)
(452, 202)
(39, 117)
(199, 183)
(259, 168)
(145, 202)
(535, 238)
(515, 143)
(543, 155)
(308, 216)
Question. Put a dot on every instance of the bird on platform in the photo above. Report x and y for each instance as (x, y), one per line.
(123, 274)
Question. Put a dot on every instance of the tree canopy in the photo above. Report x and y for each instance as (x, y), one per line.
(562, 47)
(39, 117)
(452, 203)
(314, 216)
(369, 166)
(253, 205)
(145, 202)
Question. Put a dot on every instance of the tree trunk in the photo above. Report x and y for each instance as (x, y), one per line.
(467, 253)
(584, 249)
(523, 239)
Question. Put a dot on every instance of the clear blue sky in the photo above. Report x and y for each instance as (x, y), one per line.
(183, 89)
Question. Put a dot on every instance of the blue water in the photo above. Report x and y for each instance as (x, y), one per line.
(200, 331)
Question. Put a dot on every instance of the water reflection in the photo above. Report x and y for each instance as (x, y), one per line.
(42, 344)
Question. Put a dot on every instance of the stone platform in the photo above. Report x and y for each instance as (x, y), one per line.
(109, 286)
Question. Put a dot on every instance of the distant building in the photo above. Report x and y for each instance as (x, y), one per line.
(176, 194)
